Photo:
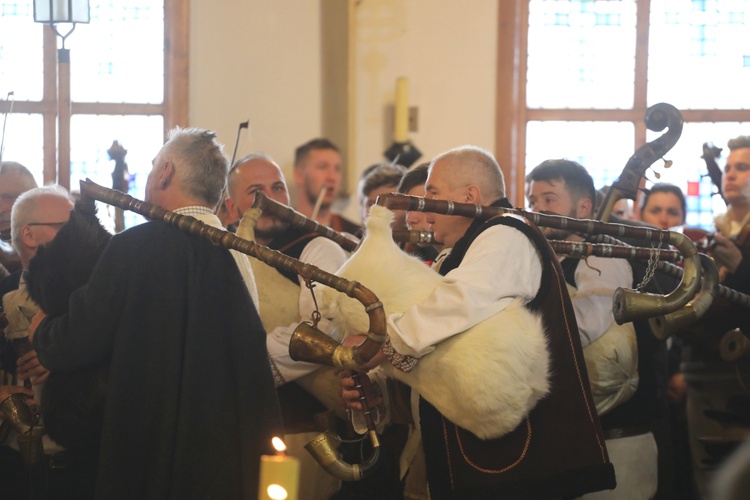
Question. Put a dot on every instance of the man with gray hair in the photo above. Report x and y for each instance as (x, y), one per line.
(496, 266)
(36, 217)
(190, 403)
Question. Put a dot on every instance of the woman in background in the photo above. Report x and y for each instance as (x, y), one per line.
(664, 206)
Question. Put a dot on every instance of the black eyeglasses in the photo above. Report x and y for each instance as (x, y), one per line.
(53, 224)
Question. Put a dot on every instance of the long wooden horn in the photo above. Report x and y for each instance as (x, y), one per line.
(628, 305)
(302, 222)
(318, 347)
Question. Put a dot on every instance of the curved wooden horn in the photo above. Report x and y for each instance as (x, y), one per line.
(628, 305)
(319, 348)
(300, 221)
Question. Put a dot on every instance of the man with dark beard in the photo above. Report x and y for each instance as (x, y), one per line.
(317, 175)
(285, 300)
(259, 173)
(564, 187)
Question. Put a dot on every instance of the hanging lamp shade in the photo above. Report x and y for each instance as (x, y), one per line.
(61, 11)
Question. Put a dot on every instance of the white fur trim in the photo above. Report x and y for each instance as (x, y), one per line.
(486, 379)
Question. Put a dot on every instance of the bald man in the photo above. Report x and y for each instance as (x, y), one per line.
(259, 173)
(284, 302)
(36, 217)
(494, 264)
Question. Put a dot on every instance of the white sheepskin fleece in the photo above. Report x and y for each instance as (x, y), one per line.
(486, 379)
(278, 298)
(611, 362)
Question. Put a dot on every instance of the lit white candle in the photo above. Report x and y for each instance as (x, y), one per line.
(279, 475)
(401, 110)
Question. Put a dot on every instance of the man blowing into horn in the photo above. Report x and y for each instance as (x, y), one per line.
(558, 448)
(284, 302)
(564, 187)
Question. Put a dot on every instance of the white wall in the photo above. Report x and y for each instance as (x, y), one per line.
(260, 60)
(256, 60)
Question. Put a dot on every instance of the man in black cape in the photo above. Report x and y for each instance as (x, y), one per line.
(190, 401)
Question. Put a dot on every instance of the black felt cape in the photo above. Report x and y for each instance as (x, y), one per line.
(190, 403)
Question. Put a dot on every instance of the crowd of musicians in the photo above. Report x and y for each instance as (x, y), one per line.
(155, 363)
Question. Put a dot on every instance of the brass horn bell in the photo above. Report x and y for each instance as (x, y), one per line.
(26, 421)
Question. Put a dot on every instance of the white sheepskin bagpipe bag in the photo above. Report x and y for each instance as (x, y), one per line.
(279, 306)
(486, 379)
(611, 362)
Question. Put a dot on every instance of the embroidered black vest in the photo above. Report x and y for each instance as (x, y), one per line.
(558, 450)
(291, 243)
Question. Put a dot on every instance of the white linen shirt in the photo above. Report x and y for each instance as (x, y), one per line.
(596, 283)
(328, 256)
(500, 265)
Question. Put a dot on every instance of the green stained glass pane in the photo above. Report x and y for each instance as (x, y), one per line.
(581, 54)
(92, 136)
(119, 55)
(699, 54)
(688, 166)
(20, 51)
(602, 147)
(23, 142)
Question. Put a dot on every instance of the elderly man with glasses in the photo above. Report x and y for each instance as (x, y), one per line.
(37, 215)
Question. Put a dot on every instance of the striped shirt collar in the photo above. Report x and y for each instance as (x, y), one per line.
(194, 210)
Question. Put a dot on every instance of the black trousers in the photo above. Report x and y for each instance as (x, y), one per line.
(63, 476)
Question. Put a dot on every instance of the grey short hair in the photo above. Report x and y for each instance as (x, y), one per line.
(379, 175)
(8, 167)
(740, 142)
(200, 163)
(23, 208)
(473, 165)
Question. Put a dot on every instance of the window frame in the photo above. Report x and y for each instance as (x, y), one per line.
(513, 115)
(173, 108)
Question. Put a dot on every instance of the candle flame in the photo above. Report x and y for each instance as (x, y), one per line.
(276, 492)
(278, 444)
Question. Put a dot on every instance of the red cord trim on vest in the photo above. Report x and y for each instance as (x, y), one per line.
(504, 469)
(448, 451)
